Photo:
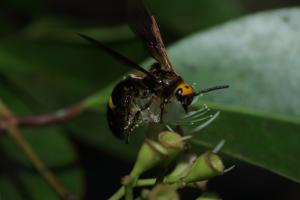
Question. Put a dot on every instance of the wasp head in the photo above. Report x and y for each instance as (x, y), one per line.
(185, 95)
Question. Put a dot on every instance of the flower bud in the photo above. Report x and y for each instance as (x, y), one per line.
(206, 166)
(163, 192)
(153, 153)
(181, 169)
(172, 142)
(150, 154)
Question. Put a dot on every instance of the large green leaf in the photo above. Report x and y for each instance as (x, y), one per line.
(258, 57)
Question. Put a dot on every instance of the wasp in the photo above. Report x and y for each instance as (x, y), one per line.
(143, 98)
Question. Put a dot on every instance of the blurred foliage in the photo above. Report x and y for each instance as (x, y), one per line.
(17, 172)
(45, 66)
(185, 18)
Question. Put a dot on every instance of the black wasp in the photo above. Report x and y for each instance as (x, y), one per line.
(142, 98)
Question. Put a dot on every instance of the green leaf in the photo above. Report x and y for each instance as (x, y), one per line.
(258, 57)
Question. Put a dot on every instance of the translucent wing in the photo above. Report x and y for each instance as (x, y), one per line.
(145, 26)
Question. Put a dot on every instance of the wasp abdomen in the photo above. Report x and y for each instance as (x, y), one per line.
(123, 111)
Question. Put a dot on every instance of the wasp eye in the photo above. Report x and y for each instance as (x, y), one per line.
(178, 92)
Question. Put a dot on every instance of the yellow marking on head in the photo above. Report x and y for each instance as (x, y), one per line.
(111, 104)
(186, 89)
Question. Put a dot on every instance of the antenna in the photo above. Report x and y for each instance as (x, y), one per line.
(218, 87)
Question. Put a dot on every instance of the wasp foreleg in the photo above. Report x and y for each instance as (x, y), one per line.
(162, 108)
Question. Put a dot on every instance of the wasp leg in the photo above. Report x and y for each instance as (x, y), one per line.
(134, 122)
(138, 114)
(131, 126)
(151, 128)
(162, 108)
(147, 105)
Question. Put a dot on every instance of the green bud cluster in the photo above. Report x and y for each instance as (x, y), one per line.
(191, 170)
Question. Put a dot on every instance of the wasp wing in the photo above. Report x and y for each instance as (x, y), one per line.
(122, 59)
(144, 25)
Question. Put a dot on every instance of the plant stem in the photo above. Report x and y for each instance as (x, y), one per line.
(119, 194)
(146, 182)
(40, 166)
(59, 116)
(129, 192)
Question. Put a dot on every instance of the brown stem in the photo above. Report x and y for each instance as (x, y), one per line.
(57, 117)
(40, 166)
